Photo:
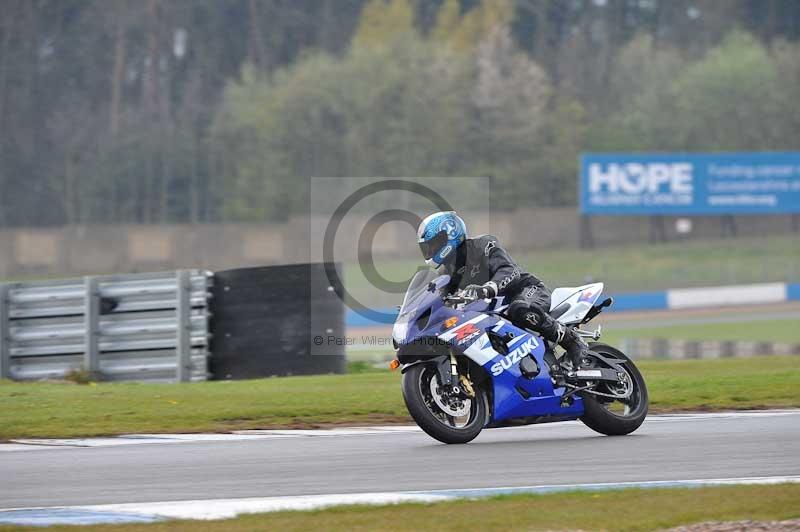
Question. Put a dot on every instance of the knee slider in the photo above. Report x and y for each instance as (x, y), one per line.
(516, 310)
(519, 311)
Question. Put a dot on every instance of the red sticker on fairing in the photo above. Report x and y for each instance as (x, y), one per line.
(466, 332)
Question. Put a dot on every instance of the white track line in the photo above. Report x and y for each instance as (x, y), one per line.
(249, 435)
(228, 508)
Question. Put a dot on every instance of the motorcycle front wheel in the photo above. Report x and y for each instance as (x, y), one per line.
(444, 416)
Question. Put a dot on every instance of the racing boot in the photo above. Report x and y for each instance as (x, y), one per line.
(574, 345)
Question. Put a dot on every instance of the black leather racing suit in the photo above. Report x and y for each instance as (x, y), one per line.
(481, 260)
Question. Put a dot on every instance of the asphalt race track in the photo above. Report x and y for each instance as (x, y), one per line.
(390, 459)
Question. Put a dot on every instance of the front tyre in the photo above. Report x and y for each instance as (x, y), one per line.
(443, 416)
(616, 417)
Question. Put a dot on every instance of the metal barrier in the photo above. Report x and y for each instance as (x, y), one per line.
(141, 327)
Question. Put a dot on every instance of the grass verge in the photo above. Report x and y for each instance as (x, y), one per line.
(763, 330)
(69, 410)
(611, 510)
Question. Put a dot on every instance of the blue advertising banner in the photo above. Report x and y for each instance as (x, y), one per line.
(684, 183)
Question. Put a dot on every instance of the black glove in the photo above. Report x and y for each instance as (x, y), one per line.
(474, 291)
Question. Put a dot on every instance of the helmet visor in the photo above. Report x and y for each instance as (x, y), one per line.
(434, 245)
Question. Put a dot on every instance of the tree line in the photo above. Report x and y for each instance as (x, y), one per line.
(156, 111)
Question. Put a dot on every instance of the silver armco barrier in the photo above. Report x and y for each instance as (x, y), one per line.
(141, 327)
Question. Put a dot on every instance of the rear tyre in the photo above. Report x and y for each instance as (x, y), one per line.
(432, 408)
(616, 417)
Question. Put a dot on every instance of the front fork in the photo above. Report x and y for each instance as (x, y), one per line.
(447, 367)
(464, 380)
(454, 373)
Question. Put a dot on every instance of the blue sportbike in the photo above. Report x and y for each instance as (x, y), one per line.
(466, 367)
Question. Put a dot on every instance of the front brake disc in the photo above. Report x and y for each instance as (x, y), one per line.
(449, 405)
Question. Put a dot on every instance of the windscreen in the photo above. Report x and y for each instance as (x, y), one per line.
(416, 295)
(417, 289)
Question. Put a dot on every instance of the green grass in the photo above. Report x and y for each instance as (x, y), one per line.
(68, 410)
(627, 510)
(631, 268)
(42, 409)
(786, 331)
(762, 382)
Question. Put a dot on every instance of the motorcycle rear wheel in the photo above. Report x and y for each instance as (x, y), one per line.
(419, 385)
(598, 412)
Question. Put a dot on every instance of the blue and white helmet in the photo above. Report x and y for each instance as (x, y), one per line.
(439, 235)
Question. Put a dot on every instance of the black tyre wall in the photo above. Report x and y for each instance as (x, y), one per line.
(263, 324)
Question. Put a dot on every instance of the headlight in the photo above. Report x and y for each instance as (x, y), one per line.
(400, 329)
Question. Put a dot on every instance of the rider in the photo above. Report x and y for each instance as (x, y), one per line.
(482, 269)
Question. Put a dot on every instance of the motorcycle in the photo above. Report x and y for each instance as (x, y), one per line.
(466, 367)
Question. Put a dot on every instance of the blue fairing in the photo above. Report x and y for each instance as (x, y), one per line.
(513, 395)
(543, 400)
